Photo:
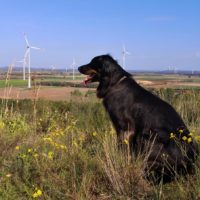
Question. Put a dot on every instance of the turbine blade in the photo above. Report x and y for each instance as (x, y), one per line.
(36, 48)
(25, 37)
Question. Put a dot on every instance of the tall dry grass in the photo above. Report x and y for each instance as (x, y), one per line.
(68, 150)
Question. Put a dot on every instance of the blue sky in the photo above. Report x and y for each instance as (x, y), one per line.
(158, 33)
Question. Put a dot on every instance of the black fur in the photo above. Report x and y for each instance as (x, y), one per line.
(144, 119)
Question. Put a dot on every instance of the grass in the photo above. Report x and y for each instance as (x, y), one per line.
(13, 83)
(68, 150)
(62, 78)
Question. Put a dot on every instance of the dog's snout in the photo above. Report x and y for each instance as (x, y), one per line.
(79, 68)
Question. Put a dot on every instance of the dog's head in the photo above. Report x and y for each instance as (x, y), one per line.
(105, 70)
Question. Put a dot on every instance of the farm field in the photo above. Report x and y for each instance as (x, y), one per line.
(57, 142)
(58, 87)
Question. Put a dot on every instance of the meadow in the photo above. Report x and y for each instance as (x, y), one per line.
(67, 150)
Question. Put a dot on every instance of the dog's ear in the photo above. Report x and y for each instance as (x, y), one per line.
(114, 71)
(109, 76)
(110, 73)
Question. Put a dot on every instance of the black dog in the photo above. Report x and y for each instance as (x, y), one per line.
(143, 119)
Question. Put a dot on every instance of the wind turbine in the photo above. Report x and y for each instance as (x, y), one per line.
(24, 62)
(124, 53)
(192, 71)
(171, 69)
(66, 69)
(28, 55)
(73, 65)
(175, 70)
(53, 68)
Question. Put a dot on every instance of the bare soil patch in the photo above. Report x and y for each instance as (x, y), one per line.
(48, 93)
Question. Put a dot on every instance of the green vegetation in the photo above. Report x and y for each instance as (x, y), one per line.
(61, 78)
(13, 83)
(67, 150)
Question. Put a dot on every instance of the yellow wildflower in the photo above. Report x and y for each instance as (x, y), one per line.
(17, 147)
(126, 141)
(180, 131)
(48, 139)
(189, 139)
(94, 134)
(35, 155)
(184, 138)
(190, 134)
(63, 146)
(50, 155)
(37, 193)
(30, 150)
(172, 135)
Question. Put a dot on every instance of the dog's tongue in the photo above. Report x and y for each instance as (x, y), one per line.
(87, 79)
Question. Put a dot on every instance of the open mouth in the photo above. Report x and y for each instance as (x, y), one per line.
(90, 78)
(92, 74)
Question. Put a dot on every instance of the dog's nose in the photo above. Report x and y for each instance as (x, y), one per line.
(79, 68)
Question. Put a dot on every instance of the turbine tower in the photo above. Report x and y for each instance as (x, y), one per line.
(124, 53)
(53, 68)
(23, 61)
(175, 70)
(73, 66)
(28, 55)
